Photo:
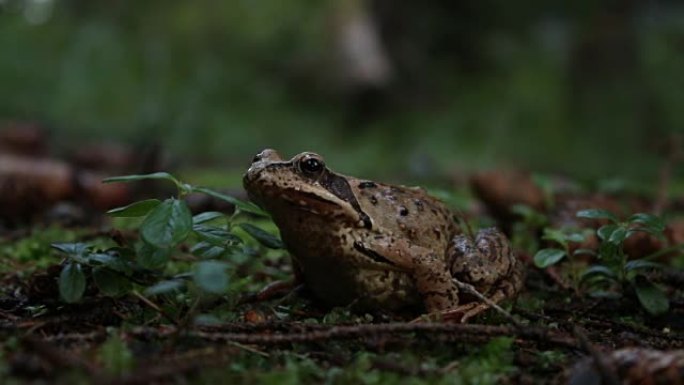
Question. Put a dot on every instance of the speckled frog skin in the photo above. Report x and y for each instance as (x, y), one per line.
(375, 245)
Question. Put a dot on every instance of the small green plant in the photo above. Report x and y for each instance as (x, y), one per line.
(562, 237)
(553, 255)
(111, 270)
(210, 237)
(614, 275)
(115, 356)
(524, 231)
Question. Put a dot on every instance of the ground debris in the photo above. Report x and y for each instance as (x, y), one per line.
(630, 366)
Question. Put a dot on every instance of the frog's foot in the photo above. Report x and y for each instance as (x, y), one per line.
(466, 311)
(458, 314)
(463, 313)
(276, 289)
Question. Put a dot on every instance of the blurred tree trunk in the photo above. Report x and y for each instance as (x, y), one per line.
(365, 67)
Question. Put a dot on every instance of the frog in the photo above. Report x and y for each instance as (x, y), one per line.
(377, 246)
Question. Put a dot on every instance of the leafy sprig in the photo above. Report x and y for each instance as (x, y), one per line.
(166, 225)
(614, 274)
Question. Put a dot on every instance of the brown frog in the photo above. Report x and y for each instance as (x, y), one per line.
(378, 245)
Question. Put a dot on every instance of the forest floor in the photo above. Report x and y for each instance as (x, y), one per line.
(602, 299)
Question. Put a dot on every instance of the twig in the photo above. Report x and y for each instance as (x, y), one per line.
(471, 290)
(366, 330)
(554, 275)
(249, 349)
(154, 306)
(76, 337)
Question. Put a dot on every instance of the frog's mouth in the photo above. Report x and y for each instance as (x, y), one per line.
(310, 201)
(323, 204)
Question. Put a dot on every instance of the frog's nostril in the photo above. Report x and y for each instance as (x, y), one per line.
(268, 154)
(261, 155)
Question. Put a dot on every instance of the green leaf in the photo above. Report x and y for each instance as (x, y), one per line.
(265, 238)
(206, 217)
(111, 283)
(102, 258)
(123, 253)
(528, 214)
(575, 237)
(206, 250)
(186, 188)
(163, 287)
(598, 270)
(135, 209)
(211, 276)
(72, 283)
(168, 224)
(642, 264)
(547, 257)
(584, 252)
(605, 294)
(115, 356)
(76, 251)
(555, 235)
(133, 178)
(605, 231)
(648, 230)
(523, 210)
(152, 257)
(242, 206)
(216, 235)
(651, 297)
(652, 222)
(597, 214)
(618, 236)
(113, 262)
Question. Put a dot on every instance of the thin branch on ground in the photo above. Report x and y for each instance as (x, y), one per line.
(154, 306)
(471, 290)
(332, 332)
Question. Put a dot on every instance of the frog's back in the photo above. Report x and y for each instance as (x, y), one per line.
(408, 211)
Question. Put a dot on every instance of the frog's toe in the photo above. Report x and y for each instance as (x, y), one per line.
(463, 313)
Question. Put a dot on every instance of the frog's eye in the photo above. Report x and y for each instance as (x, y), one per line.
(311, 165)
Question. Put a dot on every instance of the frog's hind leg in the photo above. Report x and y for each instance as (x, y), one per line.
(486, 264)
(430, 273)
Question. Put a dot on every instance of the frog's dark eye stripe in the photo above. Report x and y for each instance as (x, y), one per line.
(340, 187)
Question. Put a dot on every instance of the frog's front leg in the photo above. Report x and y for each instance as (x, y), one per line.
(488, 264)
(428, 270)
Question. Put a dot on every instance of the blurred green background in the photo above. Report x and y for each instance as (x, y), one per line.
(593, 88)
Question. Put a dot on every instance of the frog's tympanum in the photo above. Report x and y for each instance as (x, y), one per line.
(374, 245)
